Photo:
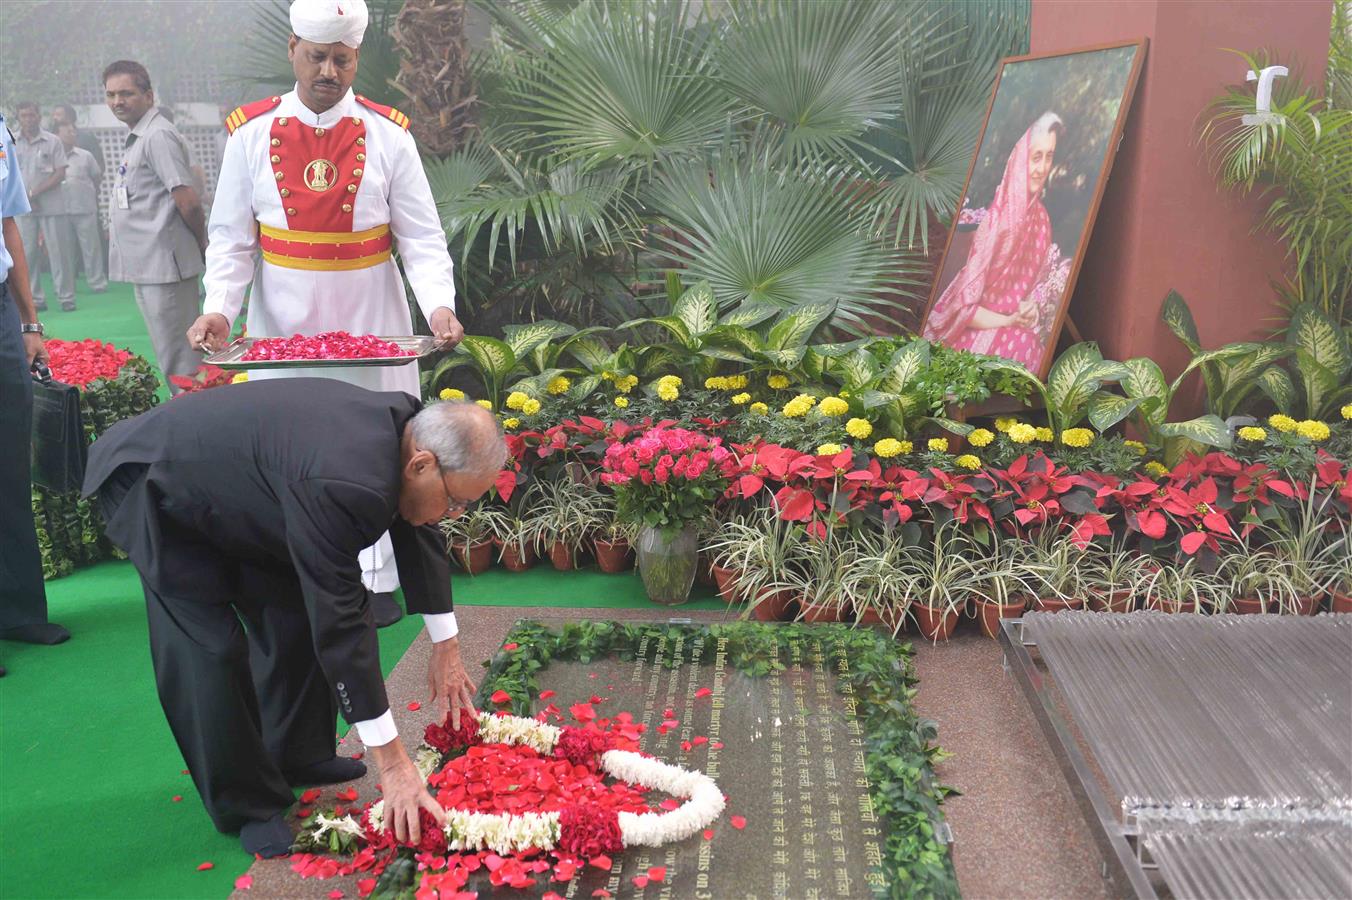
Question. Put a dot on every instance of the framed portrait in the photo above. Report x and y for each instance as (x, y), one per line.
(1042, 161)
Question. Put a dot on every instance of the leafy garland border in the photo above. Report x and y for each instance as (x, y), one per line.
(900, 747)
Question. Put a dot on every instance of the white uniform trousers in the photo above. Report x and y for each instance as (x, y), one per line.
(82, 233)
(60, 254)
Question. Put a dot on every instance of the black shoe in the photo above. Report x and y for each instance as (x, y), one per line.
(338, 770)
(385, 607)
(37, 633)
(3, 671)
(266, 839)
(40, 305)
(68, 306)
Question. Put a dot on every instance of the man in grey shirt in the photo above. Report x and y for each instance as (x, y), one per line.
(158, 234)
(80, 191)
(42, 162)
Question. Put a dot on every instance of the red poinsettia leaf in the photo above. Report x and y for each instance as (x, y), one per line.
(1192, 542)
(750, 485)
(1152, 523)
(738, 822)
(206, 865)
(243, 882)
(1217, 521)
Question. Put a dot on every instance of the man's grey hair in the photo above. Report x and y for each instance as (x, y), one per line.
(463, 436)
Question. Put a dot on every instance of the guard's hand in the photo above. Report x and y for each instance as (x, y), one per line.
(404, 792)
(212, 329)
(450, 685)
(34, 348)
(446, 328)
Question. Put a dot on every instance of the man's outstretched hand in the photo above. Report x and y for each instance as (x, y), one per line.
(451, 687)
(404, 792)
(211, 330)
(446, 328)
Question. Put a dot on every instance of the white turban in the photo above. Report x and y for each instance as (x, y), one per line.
(329, 21)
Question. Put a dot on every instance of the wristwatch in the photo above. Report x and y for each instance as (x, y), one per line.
(31, 328)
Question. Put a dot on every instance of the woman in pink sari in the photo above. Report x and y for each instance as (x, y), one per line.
(986, 308)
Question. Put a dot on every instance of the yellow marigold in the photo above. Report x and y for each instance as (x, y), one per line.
(739, 399)
(559, 385)
(1252, 433)
(511, 423)
(668, 391)
(968, 461)
(240, 378)
(516, 400)
(778, 382)
(1044, 434)
(627, 383)
(1077, 437)
(759, 408)
(1282, 423)
(1136, 446)
(1021, 433)
(486, 404)
(1313, 430)
(1004, 423)
(799, 406)
(842, 393)
(607, 375)
(717, 383)
(858, 428)
(734, 382)
(1347, 411)
(531, 406)
(888, 447)
(828, 449)
(981, 437)
(938, 445)
(833, 406)
(621, 401)
(451, 394)
(1156, 470)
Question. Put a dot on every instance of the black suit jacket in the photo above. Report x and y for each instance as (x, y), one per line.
(295, 474)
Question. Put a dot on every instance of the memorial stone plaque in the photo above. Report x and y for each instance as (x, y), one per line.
(785, 745)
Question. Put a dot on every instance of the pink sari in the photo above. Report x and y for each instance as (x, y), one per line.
(1002, 266)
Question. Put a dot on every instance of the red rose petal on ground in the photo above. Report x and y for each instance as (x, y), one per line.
(602, 862)
(545, 695)
(596, 699)
(671, 723)
(206, 865)
(310, 796)
(348, 795)
(366, 886)
(303, 812)
(668, 713)
(494, 862)
(717, 745)
(243, 882)
(702, 692)
(601, 892)
(501, 696)
(583, 712)
(178, 798)
(414, 706)
(358, 755)
(657, 873)
(511, 646)
(335, 894)
(687, 746)
(701, 739)
(708, 834)
(738, 822)
(184, 772)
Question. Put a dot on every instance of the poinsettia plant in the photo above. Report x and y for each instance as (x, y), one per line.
(667, 478)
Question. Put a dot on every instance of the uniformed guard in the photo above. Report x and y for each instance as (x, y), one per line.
(42, 160)
(323, 184)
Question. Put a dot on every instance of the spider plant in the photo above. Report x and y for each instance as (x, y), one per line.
(1055, 570)
(1184, 588)
(881, 580)
(945, 579)
(1257, 581)
(1112, 576)
(566, 514)
(1301, 541)
(474, 528)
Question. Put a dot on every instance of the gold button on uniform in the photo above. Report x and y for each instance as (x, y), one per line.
(276, 158)
(279, 176)
(361, 142)
(319, 132)
(361, 157)
(356, 120)
(282, 121)
(286, 192)
(347, 207)
(276, 142)
(290, 211)
(352, 189)
(356, 173)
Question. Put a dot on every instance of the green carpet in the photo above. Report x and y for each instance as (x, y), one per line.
(88, 767)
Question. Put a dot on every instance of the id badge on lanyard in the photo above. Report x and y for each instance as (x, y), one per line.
(120, 190)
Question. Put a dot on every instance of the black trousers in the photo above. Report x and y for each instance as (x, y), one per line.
(23, 598)
(239, 681)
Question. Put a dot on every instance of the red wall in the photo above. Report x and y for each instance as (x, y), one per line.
(1163, 222)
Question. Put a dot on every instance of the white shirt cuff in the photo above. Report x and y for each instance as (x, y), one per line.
(377, 732)
(441, 626)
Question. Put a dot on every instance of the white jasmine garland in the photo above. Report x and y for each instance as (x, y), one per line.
(500, 832)
(517, 730)
(341, 824)
(427, 761)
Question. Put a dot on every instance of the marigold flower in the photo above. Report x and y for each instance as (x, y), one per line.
(828, 449)
(451, 394)
(739, 399)
(716, 383)
(1021, 433)
(968, 461)
(858, 428)
(1347, 411)
(759, 408)
(516, 400)
(981, 437)
(1004, 423)
(1044, 434)
(1313, 430)
(1282, 423)
(799, 406)
(1155, 469)
(734, 382)
(607, 375)
(621, 401)
(531, 406)
(888, 447)
(626, 384)
(559, 385)
(668, 391)
(511, 423)
(1077, 437)
(938, 445)
(486, 404)
(833, 406)
(778, 382)
(1136, 446)
(1252, 433)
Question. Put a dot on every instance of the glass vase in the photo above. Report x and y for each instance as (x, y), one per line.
(666, 561)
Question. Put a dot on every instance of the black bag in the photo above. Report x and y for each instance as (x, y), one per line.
(60, 448)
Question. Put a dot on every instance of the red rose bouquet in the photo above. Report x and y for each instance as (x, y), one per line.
(667, 478)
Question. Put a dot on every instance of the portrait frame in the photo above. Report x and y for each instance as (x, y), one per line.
(958, 241)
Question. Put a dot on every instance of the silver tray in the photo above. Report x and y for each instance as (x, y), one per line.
(232, 357)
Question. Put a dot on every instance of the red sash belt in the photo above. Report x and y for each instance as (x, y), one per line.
(324, 251)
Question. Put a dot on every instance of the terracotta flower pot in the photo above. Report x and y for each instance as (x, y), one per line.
(893, 618)
(1118, 601)
(816, 613)
(1305, 606)
(726, 582)
(1057, 604)
(1171, 606)
(1340, 603)
(774, 606)
(613, 556)
(1248, 606)
(478, 558)
(990, 612)
(934, 624)
(515, 560)
(561, 555)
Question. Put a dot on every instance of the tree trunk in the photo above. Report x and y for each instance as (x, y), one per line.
(434, 58)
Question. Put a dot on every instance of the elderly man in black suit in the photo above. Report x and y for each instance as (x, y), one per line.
(244, 509)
